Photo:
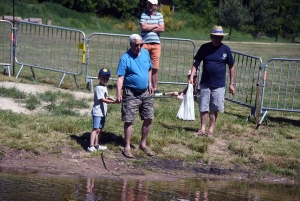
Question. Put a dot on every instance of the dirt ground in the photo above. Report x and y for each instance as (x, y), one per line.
(72, 161)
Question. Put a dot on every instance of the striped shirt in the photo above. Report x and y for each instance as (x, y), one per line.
(150, 36)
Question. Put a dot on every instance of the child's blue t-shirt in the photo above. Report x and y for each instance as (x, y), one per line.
(214, 64)
(135, 69)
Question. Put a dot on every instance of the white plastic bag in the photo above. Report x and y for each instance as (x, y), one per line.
(186, 110)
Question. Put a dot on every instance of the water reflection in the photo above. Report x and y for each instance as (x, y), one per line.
(128, 191)
(198, 196)
(90, 196)
(37, 187)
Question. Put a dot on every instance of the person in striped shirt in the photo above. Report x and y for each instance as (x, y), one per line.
(152, 24)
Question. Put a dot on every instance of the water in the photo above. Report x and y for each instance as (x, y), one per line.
(46, 187)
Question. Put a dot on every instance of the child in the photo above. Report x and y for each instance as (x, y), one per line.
(99, 110)
(181, 94)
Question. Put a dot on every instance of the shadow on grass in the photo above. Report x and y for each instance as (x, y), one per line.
(243, 119)
(243, 116)
(173, 127)
(106, 138)
(284, 120)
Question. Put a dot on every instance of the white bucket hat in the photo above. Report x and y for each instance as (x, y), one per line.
(217, 31)
(155, 2)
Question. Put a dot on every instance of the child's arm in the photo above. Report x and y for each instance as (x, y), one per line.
(109, 100)
(184, 91)
(181, 94)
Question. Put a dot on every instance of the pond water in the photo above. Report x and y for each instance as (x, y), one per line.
(48, 187)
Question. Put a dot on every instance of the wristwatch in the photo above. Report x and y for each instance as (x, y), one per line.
(232, 83)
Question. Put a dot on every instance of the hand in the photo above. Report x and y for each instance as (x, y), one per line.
(151, 90)
(180, 97)
(119, 98)
(232, 89)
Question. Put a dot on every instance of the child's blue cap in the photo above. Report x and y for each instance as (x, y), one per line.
(104, 71)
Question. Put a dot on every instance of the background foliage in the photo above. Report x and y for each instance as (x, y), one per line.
(259, 18)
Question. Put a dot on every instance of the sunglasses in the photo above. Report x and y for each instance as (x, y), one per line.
(139, 45)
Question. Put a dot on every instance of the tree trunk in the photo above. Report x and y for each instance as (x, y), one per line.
(229, 35)
(294, 36)
(256, 33)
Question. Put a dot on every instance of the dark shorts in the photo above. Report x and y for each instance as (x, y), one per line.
(145, 106)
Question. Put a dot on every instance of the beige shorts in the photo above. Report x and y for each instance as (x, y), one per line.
(154, 50)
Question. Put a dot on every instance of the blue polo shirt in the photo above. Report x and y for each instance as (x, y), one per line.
(214, 63)
(135, 69)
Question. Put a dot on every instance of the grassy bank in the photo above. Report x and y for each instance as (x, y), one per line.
(273, 148)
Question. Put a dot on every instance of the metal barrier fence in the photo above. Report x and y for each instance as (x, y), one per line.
(6, 45)
(63, 50)
(281, 86)
(50, 48)
(247, 69)
(104, 51)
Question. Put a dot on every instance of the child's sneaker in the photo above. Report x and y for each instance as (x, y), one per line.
(91, 149)
(101, 148)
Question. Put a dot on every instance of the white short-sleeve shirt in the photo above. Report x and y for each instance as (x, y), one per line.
(99, 107)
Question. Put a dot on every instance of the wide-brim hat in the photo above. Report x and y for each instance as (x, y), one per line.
(218, 31)
(104, 71)
(155, 2)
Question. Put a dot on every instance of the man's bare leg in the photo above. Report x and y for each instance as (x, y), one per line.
(145, 131)
(212, 121)
(154, 78)
(127, 132)
(203, 116)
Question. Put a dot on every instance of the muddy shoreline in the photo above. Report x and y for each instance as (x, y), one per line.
(74, 162)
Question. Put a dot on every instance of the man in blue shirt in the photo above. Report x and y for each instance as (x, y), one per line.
(134, 76)
(215, 55)
(152, 24)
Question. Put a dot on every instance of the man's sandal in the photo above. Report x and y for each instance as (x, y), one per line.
(209, 134)
(200, 133)
(127, 153)
(147, 150)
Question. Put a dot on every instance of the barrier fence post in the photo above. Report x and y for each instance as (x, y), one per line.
(6, 46)
(280, 88)
(52, 48)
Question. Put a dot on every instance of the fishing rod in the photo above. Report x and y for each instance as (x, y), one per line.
(157, 95)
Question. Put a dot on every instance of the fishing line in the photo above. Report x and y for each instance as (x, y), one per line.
(108, 169)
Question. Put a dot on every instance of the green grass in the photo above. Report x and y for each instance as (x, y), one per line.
(273, 148)
(12, 93)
